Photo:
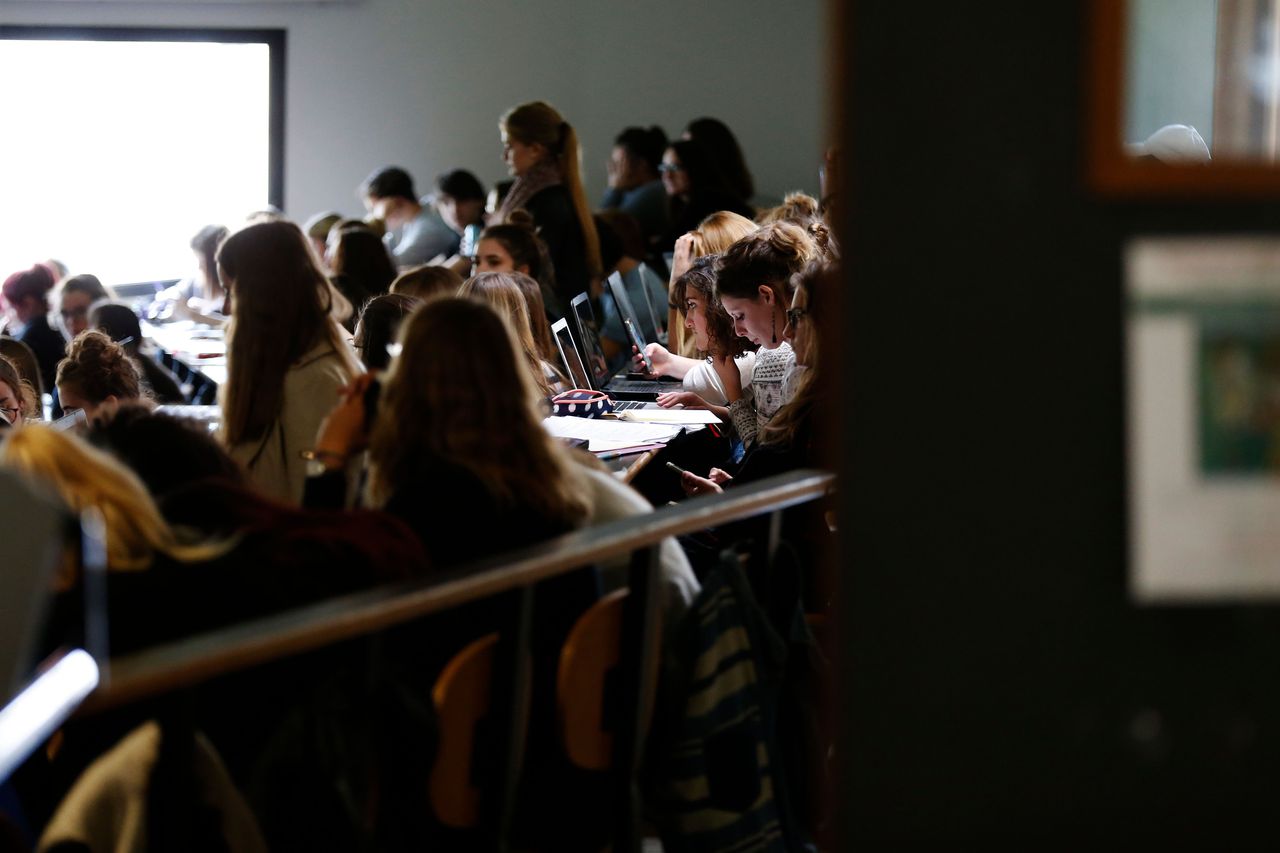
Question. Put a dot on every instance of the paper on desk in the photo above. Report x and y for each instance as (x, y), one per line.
(670, 416)
(609, 434)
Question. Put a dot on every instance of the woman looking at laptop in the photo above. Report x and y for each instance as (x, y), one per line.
(713, 335)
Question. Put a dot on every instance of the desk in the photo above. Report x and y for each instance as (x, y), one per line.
(202, 350)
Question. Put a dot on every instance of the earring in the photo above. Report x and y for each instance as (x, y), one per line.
(775, 327)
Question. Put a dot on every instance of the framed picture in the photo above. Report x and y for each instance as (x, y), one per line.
(1204, 418)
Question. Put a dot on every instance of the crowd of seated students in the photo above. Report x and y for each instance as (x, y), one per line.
(415, 444)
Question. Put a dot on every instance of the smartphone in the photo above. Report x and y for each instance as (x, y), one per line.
(674, 467)
(639, 344)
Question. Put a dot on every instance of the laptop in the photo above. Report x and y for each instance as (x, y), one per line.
(634, 322)
(576, 369)
(620, 386)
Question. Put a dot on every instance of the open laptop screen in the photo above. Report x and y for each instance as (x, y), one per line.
(589, 334)
(569, 356)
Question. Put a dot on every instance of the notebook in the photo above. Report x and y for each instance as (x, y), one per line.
(616, 385)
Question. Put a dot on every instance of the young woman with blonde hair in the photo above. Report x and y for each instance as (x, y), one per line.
(713, 235)
(287, 357)
(136, 532)
(504, 294)
(541, 150)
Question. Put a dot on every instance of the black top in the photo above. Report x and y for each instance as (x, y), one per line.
(685, 215)
(49, 347)
(557, 222)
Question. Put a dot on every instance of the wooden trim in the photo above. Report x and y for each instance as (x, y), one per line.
(1110, 171)
(191, 661)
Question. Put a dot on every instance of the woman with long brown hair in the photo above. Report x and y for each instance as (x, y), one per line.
(541, 150)
(287, 357)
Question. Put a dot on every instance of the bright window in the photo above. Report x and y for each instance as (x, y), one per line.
(118, 146)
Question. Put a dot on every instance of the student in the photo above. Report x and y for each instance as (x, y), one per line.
(72, 298)
(635, 184)
(753, 283)
(695, 190)
(97, 375)
(287, 357)
(415, 234)
(789, 440)
(502, 293)
(514, 246)
(713, 235)
(459, 411)
(25, 295)
(199, 297)
(427, 282)
(317, 231)
(715, 136)
(24, 360)
(797, 208)
(460, 200)
(18, 402)
(713, 336)
(361, 267)
(122, 326)
(541, 150)
(379, 323)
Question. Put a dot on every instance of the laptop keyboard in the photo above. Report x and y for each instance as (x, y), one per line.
(624, 405)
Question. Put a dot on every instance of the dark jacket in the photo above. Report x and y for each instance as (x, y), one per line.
(557, 223)
(48, 345)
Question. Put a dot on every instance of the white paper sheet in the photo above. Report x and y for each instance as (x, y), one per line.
(609, 434)
(670, 416)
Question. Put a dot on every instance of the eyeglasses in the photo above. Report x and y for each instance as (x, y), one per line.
(10, 415)
(670, 167)
(795, 314)
(68, 313)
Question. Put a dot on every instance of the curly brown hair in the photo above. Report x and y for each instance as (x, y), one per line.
(97, 367)
(701, 277)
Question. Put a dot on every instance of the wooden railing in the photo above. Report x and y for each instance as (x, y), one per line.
(180, 665)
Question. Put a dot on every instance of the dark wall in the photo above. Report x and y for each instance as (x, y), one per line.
(997, 681)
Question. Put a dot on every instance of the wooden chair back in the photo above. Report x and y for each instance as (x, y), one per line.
(462, 699)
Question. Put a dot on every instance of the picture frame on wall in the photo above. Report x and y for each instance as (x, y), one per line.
(1203, 332)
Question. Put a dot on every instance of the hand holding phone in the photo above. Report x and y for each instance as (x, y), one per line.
(638, 343)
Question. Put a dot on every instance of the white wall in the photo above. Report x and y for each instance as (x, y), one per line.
(421, 83)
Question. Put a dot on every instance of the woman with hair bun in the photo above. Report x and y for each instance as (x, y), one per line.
(542, 152)
(753, 283)
(97, 375)
(515, 246)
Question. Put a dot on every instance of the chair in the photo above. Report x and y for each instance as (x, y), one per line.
(586, 692)
(462, 699)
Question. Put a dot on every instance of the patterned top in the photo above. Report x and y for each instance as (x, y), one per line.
(769, 391)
